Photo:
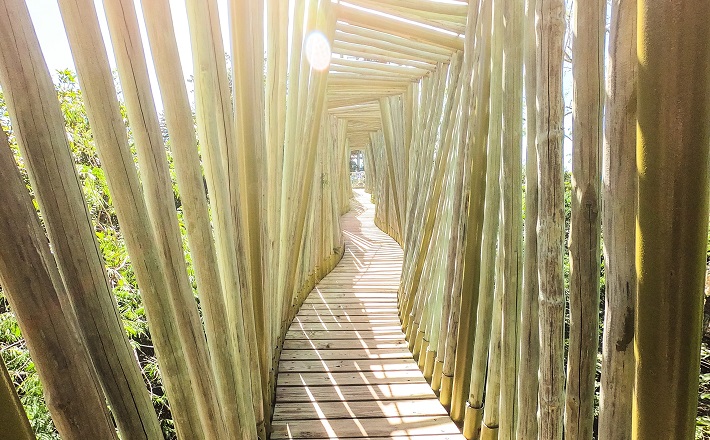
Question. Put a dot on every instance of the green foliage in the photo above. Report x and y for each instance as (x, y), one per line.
(119, 270)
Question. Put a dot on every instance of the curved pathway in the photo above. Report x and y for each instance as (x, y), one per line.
(345, 370)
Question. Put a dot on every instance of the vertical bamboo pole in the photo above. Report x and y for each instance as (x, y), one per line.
(550, 223)
(33, 286)
(588, 33)
(511, 224)
(619, 221)
(529, 319)
(246, 28)
(39, 128)
(13, 417)
(673, 146)
(81, 23)
(490, 427)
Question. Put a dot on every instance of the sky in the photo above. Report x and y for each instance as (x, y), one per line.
(55, 47)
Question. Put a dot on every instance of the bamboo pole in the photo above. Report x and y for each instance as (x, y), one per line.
(477, 141)
(13, 417)
(246, 26)
(157, 185)
(183, 143)
(511, 213)
(619, 220)
(489, 428)
(475, 407)
(214, 129)
(39, 128)
(588, 22)
(672, 147)
(81, 23)
(550, 223)
(33, 287)
(529, 319)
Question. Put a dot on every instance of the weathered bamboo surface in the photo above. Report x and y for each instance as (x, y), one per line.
(345, 370)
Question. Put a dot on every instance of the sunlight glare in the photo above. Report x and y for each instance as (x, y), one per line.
(318, 50)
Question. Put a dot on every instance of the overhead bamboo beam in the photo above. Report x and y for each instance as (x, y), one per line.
(455, 24)
(619, 208)
(400, 28)
(551, 218)
(673, 149)
(356, 45)
(357, 54)
(384, 39)
(38, 126)
(34, 288)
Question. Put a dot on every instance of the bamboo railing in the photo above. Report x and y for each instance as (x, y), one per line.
(459, 108)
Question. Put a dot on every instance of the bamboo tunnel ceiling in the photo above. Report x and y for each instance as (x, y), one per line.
(383, 48)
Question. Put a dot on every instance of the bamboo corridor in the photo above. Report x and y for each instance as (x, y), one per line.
(527, 259)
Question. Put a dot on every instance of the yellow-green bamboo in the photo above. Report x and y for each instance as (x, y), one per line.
(618, 222)
(673, 149)
(33, 287)
(13, 417)
(550, 223)
(529, 325)
(96, 81)
(38, 126)
(588, 36)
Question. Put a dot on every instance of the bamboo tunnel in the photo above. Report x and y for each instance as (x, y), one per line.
(470, 116)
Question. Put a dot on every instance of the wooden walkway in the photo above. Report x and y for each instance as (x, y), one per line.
(345, 370)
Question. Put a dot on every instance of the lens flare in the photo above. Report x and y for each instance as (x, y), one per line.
(318, 50)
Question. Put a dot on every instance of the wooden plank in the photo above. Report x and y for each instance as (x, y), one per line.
(335, 428)
(350, 365)
(365, 409)
(343, 344)
(352, 393)
(346, 378)
(351, 326)
(344, 334)
(374, 353)
(343, 318)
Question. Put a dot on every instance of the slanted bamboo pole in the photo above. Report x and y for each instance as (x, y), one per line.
(477, 142)
(489, 429)
(183, 143)
(13, 417)
(529, 316)
(673, 148)
(618, 222)
(81, 23)
(214, 134)
(550, 223)
(157, 185)
(39, 128)
(588, 23)
(474, 408)
(33, 287)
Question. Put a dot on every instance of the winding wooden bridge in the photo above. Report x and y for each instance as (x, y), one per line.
(345, 369)
(441, 301)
